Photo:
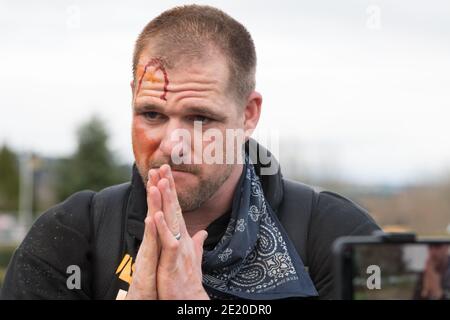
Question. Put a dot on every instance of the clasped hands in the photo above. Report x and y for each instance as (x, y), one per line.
(167, 268)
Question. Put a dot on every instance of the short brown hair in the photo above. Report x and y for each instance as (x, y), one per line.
(188, 30)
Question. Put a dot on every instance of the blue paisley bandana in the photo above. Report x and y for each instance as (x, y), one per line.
(255, 258)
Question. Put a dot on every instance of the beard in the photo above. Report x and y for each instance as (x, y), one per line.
(192, 197)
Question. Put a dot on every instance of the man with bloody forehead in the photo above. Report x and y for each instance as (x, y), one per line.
(203, 215)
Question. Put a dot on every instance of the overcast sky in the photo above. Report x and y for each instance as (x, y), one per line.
(363, 87)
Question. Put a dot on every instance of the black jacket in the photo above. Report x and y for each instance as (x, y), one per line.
(92, 231)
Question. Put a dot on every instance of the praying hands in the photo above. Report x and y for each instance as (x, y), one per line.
(168, 263)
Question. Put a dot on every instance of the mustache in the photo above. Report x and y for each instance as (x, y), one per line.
(189, 168)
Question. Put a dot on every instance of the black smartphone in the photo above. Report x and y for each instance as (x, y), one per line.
(391, 267)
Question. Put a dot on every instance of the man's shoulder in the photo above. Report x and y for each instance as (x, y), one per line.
(75, 212)
(346, 217)
(59, 238)
(71, 212)
(63, 223)
(84, 201)
(315, 218)
(325, 207)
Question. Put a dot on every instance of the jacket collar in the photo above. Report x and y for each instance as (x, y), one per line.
(272, 186)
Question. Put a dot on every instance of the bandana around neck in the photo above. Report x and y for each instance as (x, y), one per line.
(255, 258)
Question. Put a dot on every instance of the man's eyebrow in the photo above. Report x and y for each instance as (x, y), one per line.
(197, 110)
(206, 112)
(149, 108)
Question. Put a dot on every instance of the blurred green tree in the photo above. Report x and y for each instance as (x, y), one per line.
(93, 166)
(9, 180)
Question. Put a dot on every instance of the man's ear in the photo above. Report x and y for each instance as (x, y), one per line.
(252, 113)
(132, 86)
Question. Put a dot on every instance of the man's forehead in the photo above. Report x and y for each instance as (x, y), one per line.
(200, 80)
(194, 81)
(181, 91)
(210, 64)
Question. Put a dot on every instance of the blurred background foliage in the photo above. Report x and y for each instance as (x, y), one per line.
(9, 182)
(93, 166)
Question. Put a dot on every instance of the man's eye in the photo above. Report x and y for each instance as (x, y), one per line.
(152, 115)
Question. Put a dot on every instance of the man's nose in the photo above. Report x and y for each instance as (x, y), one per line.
(175, 140)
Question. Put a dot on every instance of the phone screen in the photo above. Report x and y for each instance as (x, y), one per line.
(400, 271)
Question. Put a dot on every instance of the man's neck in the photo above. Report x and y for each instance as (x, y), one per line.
(216, 206)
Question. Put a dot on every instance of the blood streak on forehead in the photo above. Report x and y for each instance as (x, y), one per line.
(150, 75)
